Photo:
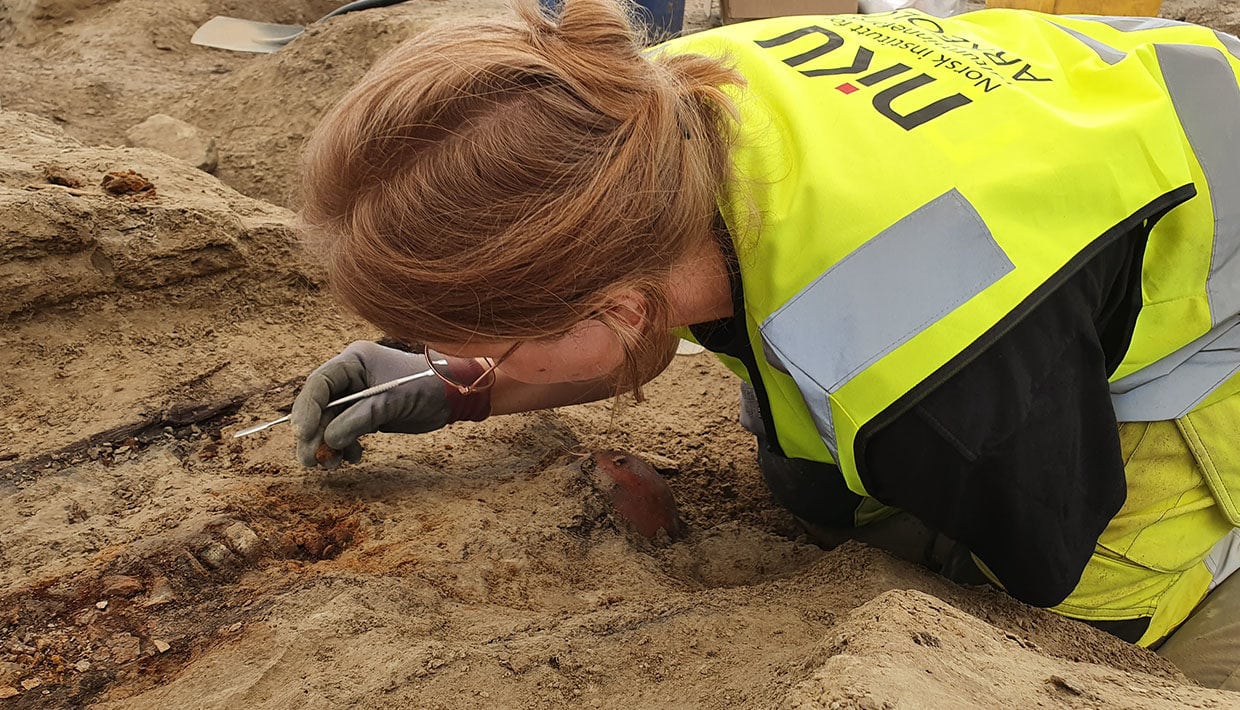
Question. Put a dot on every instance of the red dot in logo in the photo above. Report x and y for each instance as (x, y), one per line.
(846, 88)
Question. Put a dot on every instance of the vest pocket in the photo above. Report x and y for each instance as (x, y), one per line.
(1212, 436)
(1114, 589)
(1171, 518)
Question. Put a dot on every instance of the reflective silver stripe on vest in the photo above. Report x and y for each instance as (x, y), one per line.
(1203, 89)
(1230, 42)
(1207, 100)
(1105, 52)
(1137, 24)
(1224, 558)
(1173, 386)
(1133, 24)
(878, 297)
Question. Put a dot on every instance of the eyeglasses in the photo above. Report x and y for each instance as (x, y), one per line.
(439, 365)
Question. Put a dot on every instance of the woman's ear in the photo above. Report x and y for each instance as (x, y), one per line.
(628, 306)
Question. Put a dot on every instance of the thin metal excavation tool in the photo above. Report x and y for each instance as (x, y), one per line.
(368, 392)
(685, 347)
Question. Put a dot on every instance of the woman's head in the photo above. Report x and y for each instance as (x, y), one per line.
(505, 181)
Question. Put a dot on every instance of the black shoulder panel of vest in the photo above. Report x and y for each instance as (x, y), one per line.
(1012, 448)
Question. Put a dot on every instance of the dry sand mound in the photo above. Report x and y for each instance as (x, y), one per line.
(98, 68)
(150, 560)
(98, 285)
(263, 112)
(1222, 15)
(82, 221)
(908, 649)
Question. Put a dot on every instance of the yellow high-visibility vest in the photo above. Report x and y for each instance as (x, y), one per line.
(906, 187)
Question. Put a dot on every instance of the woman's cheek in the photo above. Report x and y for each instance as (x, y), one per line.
(550, 376)
(557, 367)
(539, 376)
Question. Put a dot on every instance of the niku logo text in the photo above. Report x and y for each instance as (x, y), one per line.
(861, 64)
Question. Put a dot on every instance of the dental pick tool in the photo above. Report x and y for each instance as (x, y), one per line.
(368, 392)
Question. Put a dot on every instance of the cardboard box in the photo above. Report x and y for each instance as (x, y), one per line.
(1138, 8)
(740, 10)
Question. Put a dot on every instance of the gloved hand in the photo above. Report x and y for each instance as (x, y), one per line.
(412, 408)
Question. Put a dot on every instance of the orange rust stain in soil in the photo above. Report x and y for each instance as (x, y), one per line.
(323, 540)
(302, 525)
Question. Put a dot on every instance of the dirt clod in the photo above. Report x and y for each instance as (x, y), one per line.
(161, 593)
(127, 182)
(121, 586)
(215, 555)
(242, 540)
(124, 647)
(59, 175)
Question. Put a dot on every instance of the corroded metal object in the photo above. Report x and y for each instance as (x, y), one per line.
(638, 494)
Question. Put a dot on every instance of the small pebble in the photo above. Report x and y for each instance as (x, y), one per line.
(242, 540)
(101, 605)
(215, 555)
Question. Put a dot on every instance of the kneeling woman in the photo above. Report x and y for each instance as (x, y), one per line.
(980, 273)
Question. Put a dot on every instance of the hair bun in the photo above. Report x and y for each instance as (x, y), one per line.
(596, 49)
(601, 24)
(589, 26)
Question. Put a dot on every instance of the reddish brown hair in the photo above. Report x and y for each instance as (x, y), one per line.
(495, 180)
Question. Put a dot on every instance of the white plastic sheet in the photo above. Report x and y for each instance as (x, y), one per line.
(938, 8)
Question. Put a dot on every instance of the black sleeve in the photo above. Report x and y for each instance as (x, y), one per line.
(1017, 454)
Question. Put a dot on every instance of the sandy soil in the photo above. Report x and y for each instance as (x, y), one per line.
(150, 560)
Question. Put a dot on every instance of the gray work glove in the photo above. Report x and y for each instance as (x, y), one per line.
(412, 408)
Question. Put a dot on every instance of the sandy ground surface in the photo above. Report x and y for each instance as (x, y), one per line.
(147, 559)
